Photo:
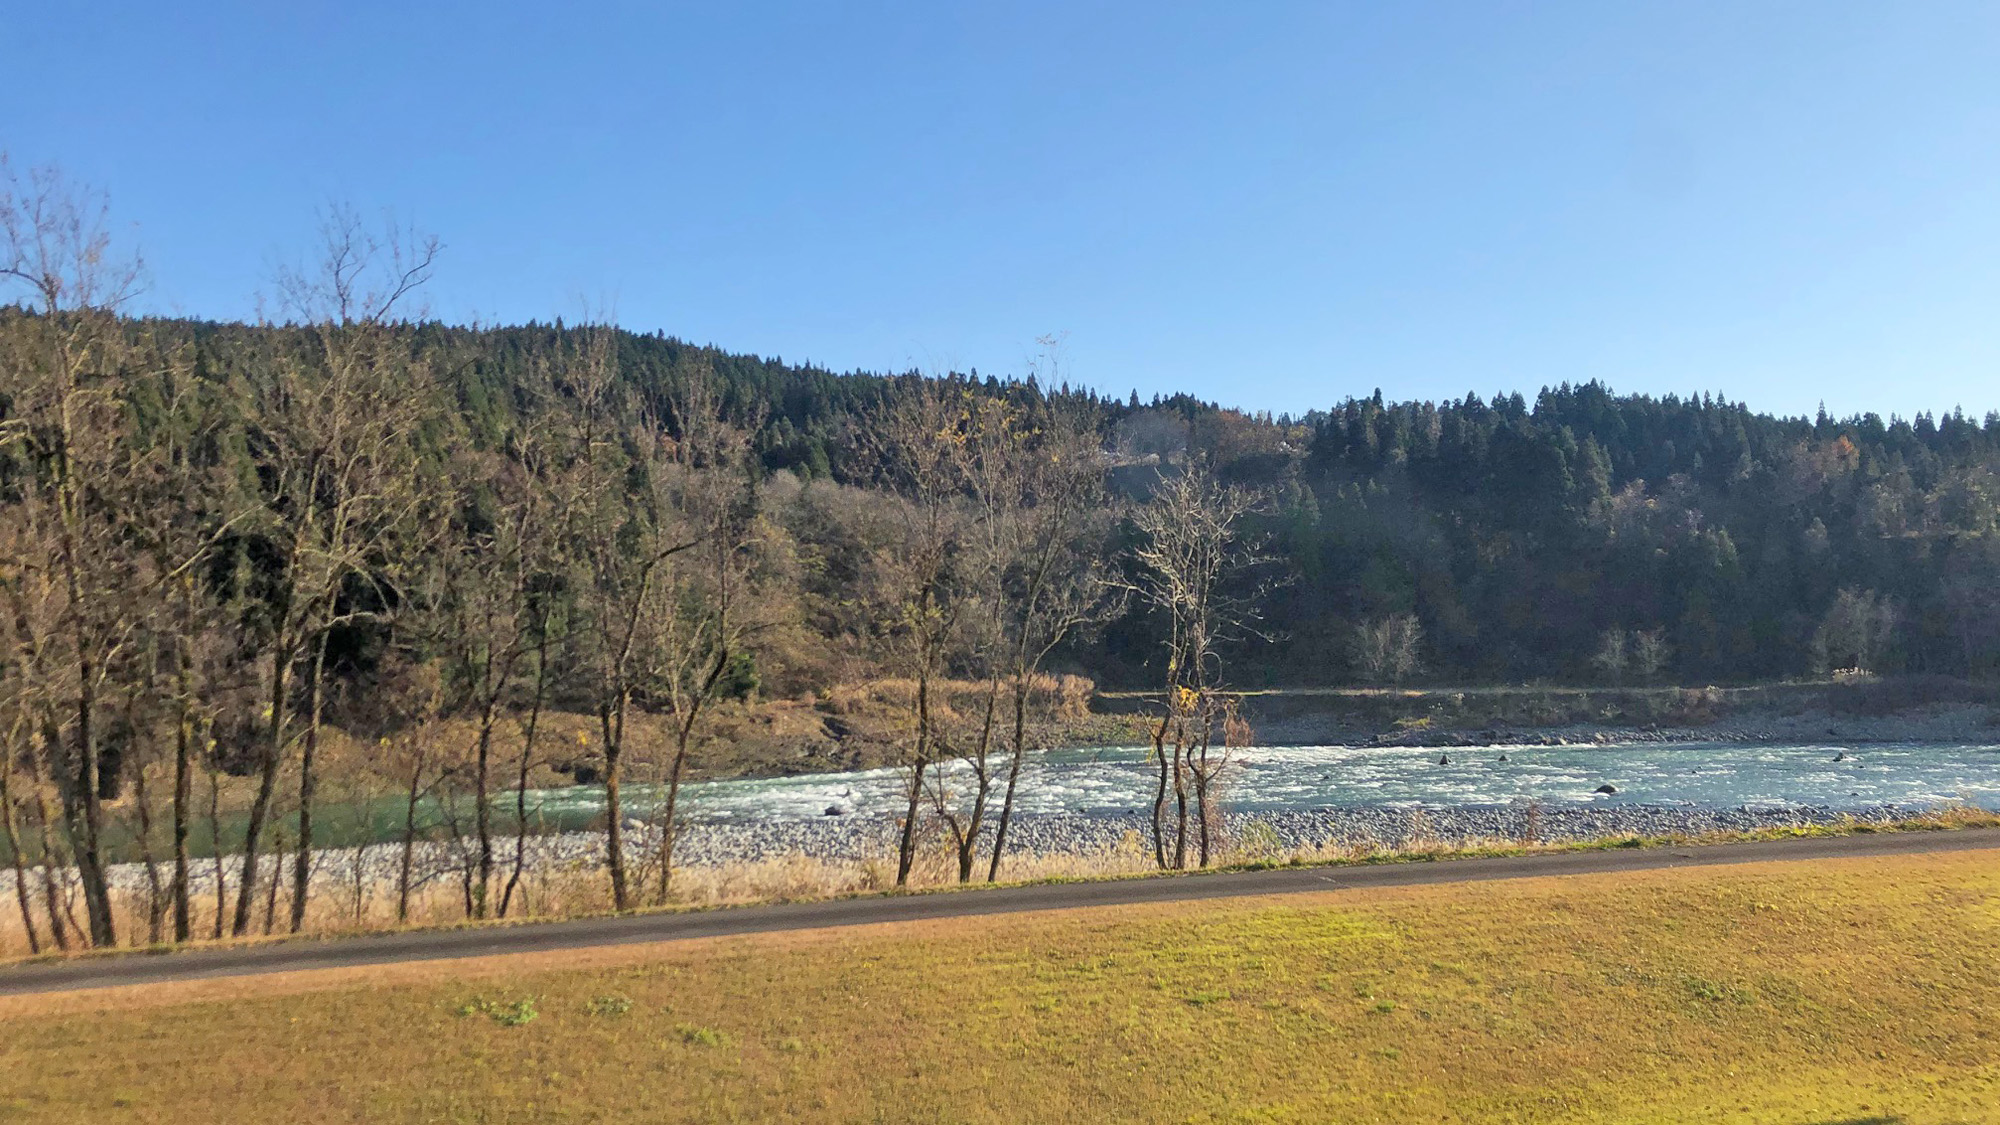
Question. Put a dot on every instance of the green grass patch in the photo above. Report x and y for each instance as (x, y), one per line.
(1844, 990)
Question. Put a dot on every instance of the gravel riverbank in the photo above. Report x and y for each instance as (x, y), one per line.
(860, 839)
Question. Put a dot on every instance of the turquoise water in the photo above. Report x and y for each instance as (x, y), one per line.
(1704, 775)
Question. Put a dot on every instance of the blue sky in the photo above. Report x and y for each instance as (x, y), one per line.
(1270, 205)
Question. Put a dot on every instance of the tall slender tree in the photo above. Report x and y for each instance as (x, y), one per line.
(334, 424)
(70, 582)
(916, 451)
(705, 608)
(1190, 545)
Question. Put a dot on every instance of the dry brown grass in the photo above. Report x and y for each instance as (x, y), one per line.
(1860, 989)
(580, 889)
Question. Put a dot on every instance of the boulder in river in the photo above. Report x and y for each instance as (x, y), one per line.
(1444, 759)
(835, 810)
(1840, 757)
(1607, 787)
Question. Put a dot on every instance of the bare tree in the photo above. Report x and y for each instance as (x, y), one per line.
(1856, 631)
(1389, 649)
(495, 624)
(14, 747)
(917, 456)
(404, 702)
(704, 618)
(626, 541)
(69, 579)
(334, 427)
(1649, 653)
(1037, 497)
(134, 734)
(1189, 546)
(547, 624)
(1612, 655)
(985, 463)
(180, 509)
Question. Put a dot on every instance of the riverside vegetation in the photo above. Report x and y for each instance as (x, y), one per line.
(254, 578)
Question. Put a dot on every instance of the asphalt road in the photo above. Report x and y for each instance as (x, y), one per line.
(483, 941)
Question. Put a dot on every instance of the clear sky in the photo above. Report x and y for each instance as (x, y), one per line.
(1270, 205)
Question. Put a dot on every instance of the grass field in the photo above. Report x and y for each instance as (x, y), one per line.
(1845, 991)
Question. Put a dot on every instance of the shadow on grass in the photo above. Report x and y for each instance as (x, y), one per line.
(1876, 1120)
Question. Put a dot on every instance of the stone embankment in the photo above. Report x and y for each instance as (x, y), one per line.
(861, 839)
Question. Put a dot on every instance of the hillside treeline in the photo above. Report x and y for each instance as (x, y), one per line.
(1525, 542)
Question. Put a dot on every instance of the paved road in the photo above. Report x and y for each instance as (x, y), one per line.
(136, 969)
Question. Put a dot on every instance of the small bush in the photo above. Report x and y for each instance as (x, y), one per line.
(506, 1013)
(1715, 992)
(609, 1006)
(700, 1036)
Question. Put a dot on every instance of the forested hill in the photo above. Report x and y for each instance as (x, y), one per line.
(804, 411)
(1587, 536)
(1528, 541)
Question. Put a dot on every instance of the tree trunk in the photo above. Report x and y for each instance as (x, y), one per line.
(85, 811)
(521, 789)
(612, 720)
(308, 784)
(156, 894)
(215, 846)
(59, 926)
(669, 819)
(14, 852)
(183, 794)
(403, 871)
(1180, 799)
(1160, 793)
(267, 786)
(1013, 780)
(1201, 813)
(906, 852)
(669, 815)
(1201, 769)
(483, 807)
(968, 841)
(683, 736)
(271, 889)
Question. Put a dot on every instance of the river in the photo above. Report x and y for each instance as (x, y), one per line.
(1116, 780)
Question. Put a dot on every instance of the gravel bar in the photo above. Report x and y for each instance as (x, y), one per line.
(858, 838)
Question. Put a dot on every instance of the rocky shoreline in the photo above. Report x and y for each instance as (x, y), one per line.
(1251, 834)
(861, 838)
